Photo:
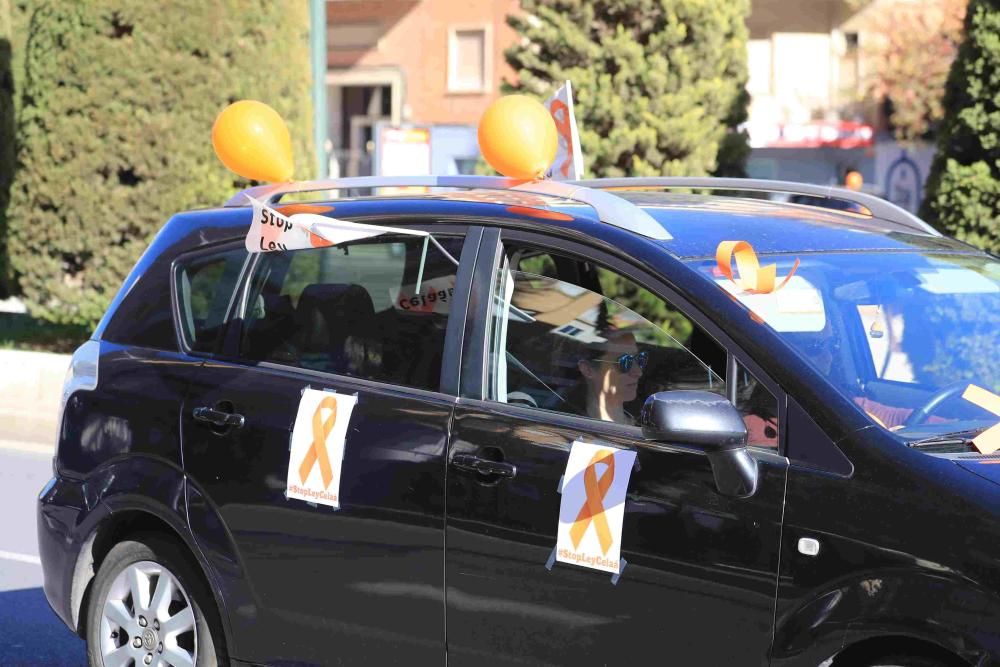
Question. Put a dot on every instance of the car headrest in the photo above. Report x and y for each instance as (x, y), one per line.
(328, 313)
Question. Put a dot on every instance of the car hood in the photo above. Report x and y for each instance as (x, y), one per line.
(988, 468)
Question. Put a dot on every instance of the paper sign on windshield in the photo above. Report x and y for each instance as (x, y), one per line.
(797, 307)
(592, 508)
(317, 450)
(988, 441)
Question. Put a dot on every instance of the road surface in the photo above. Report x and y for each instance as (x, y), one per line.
(30, 633)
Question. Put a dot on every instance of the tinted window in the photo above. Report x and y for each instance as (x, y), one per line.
(560, 346)
(205, 286)
(354, 309)
(759, 409)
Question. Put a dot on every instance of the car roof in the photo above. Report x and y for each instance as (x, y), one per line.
(684, 225)
(698, 223)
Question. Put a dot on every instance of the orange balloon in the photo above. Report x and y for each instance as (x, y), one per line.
(252, 140)
(517, 136)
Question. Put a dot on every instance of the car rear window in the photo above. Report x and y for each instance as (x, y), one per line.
(205, 286)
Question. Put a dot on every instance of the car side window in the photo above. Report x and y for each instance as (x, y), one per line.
(354, 309)
(205, 285)
(759, 409)
(559, 345)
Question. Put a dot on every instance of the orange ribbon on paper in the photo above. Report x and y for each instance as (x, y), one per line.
(593, 508)
(564, 130)
(988, 441)
(753, 278)
(317, 451)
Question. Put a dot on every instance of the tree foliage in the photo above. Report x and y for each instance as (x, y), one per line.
(114, 130)
(963, 191)
(13, 26)
(659, 87)
(909, 59)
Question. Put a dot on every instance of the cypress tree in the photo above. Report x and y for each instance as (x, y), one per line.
(13, 24)
(659, 87)
(963, 191)
(114, 131)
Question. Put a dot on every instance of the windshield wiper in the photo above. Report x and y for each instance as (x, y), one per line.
(963, 438)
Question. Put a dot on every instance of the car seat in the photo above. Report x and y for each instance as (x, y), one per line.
(335, 328)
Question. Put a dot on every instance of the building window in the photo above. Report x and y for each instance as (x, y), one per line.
(469, 52)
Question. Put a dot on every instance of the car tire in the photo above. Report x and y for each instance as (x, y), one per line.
(175, 621)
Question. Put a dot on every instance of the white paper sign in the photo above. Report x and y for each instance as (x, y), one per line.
(568, 165)
(592, 508)
(270, 231)
(796, 307)
(317, 450)
(434, 297)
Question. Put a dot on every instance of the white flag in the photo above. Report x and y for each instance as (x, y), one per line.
(568, 165)
(271, 231)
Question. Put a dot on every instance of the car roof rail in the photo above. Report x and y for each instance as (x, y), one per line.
(878, 207)
(610, 208)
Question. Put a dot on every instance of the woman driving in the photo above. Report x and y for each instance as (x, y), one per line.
(610, 372)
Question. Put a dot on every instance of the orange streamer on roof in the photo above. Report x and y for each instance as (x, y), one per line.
(753, 277)
(542, 213)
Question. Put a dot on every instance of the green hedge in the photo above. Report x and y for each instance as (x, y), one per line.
(114, 131)
(963, 190)
(13, 30)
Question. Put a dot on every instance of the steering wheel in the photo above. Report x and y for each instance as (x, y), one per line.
(920, 415)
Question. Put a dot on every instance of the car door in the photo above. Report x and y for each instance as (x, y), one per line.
(303, 581)
(699, 577)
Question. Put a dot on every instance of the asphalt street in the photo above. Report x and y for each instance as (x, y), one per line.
(30, 633)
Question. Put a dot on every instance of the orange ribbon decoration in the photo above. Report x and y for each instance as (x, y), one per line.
(563, 128)
(988, 441)
(593, 509)
(317, 451)
(754, 278)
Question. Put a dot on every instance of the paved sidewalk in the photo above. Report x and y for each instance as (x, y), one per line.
(30, 396)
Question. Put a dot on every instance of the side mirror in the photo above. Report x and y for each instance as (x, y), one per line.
(712, 424)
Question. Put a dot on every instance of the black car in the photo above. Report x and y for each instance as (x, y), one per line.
(549, 424)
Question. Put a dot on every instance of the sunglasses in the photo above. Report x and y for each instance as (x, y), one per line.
(626, 361)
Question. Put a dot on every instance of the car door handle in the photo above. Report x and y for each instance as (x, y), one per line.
(217, 417)
(473, 463)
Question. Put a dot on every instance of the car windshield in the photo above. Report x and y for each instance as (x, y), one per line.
(901, 334)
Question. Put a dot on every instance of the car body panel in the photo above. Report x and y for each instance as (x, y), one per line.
(135, 412)
(889, 563)
(701, 567)
(366, 578)
(73, 514)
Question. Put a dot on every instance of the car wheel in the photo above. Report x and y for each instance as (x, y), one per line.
(148, 606)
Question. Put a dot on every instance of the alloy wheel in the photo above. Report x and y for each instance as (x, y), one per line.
(148, 620)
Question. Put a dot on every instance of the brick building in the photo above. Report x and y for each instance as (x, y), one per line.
(435, 64)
